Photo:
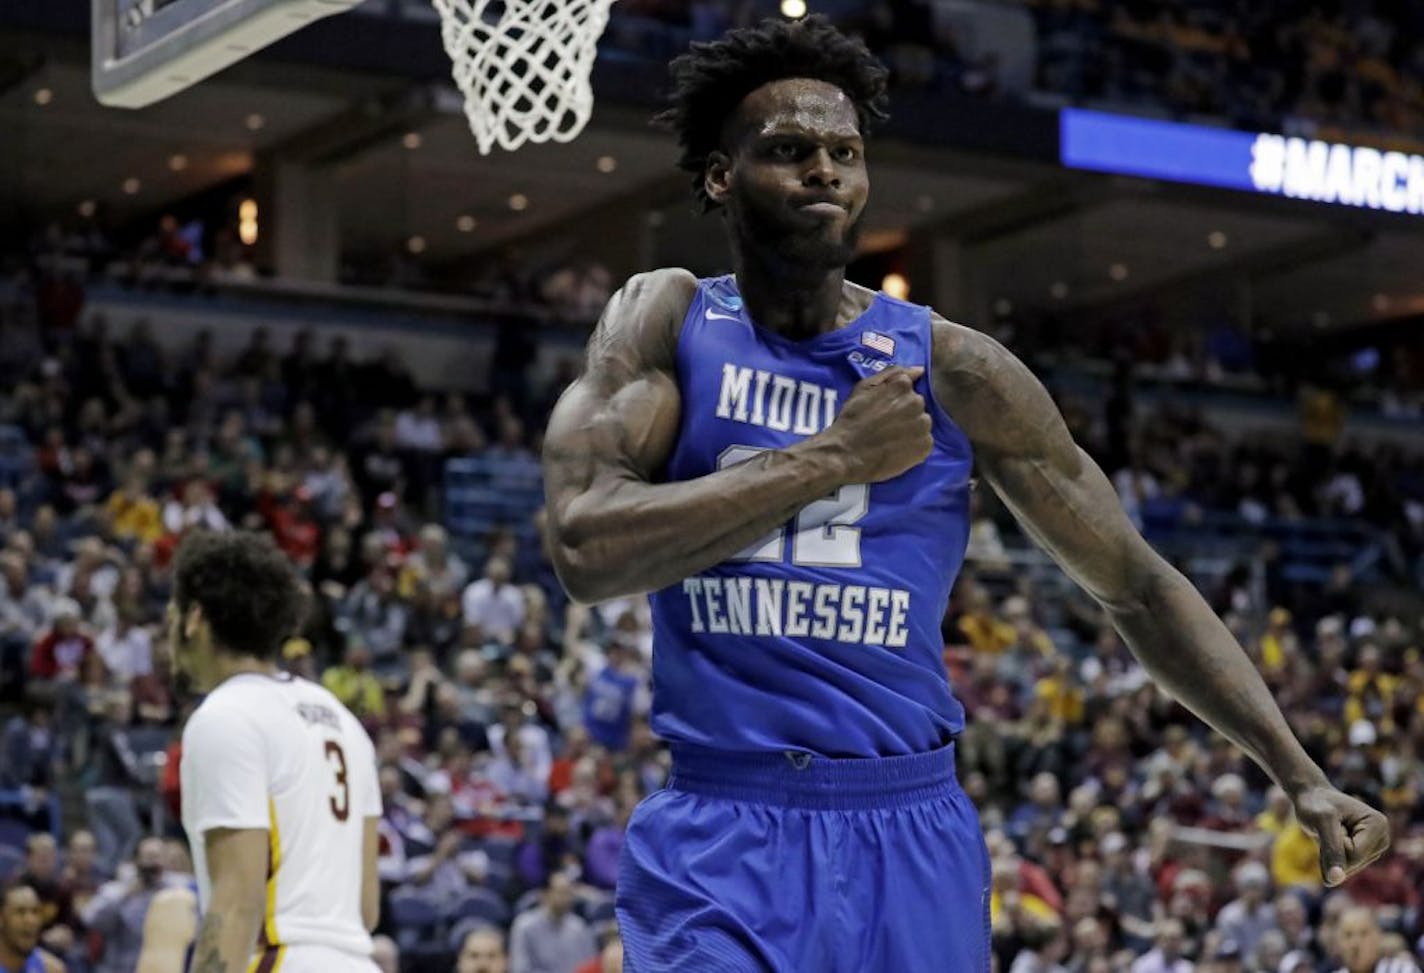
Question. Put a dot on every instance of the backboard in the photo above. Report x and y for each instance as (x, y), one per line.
(146, 50)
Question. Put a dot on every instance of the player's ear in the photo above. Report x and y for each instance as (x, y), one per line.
(718, 176)
(193, 621)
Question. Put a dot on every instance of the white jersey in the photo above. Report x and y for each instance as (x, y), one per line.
(281, 753)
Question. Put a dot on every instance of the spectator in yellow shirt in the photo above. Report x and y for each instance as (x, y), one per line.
(1029, 636)
(354, 684)
(1369, 694)
(132, 513)
(986, 632)
(1277, 815)
(1061, 693)
(1278, 644)
(1295, 857)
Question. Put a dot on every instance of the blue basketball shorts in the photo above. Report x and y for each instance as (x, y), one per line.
(798, 864)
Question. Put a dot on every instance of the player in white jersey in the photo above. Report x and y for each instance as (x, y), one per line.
(280, 797)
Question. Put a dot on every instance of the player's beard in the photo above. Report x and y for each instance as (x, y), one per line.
(801, 246)
(192, 660)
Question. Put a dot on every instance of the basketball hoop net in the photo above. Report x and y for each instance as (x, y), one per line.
(523, 66)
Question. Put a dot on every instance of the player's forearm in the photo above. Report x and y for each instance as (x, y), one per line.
(635, 536)
(226, 938)
(1191, 654)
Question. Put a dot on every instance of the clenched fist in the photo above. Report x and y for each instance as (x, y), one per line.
(883, 429)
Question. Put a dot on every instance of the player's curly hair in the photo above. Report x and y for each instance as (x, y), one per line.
(246, 587)
(711, 79)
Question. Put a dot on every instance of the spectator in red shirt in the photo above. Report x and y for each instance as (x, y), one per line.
(62, 651)
(608, 960)
(290, 519)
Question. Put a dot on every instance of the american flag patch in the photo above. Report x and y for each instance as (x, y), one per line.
(882, 343)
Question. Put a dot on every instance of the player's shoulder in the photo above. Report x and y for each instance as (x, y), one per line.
(249, 700)
(639, 328)
(959, 348)
(990, 393)
(325, 707)
(664, 285)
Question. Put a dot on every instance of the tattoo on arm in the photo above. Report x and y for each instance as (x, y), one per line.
(207, 954)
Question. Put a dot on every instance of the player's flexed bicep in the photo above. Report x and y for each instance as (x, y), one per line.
(616, 424)
(612, 530)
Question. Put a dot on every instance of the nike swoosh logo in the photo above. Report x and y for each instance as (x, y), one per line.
(714, 316)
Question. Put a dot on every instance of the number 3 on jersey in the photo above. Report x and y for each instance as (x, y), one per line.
(340, 800)
(823, 536)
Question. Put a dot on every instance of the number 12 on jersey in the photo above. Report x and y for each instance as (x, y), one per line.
(824, 535)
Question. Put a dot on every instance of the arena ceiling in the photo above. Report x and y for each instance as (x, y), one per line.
(404, 165)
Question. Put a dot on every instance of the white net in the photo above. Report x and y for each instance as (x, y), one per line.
(523, 66)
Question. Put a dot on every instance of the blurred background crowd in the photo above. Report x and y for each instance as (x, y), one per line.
(1339, 65)
(510, 722)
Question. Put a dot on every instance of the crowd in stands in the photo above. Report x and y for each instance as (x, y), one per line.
(189, 255)
(511, 723)
(1328, 65)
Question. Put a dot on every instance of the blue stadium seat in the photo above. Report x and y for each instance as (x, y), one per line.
(414, 914)
(595, 909)
(12, 859)
(528, 901)
(15, 456)
(479, 903)
(497, 875)
(485, 492)
(500, 850)
(13, 833)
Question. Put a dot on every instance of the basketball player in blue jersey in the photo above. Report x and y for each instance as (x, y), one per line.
(784, 460)
(20, 923)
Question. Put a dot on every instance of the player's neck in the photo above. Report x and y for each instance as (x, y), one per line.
(793, 304)
(11, 960)
(225, 666)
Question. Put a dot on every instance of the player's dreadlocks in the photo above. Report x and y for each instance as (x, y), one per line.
(711, 79)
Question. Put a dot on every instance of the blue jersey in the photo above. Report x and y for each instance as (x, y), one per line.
(33, 964)
(608, 707)
(824, 635)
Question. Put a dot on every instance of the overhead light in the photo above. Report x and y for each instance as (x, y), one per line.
(1118, 271)
(1321, 319)
(43, 96)
(924, 203)
(1381, 302)
(255, 122)
(606, 163)
(519, 202)
(411, 140)
(1216, 239)
(178, 162)
(1003, 307)
(795, 9)
(465, 223)
(1058, 290)
(86, 208)
(131, 186)
(247, 222)
(894, 284)
(415, 244)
